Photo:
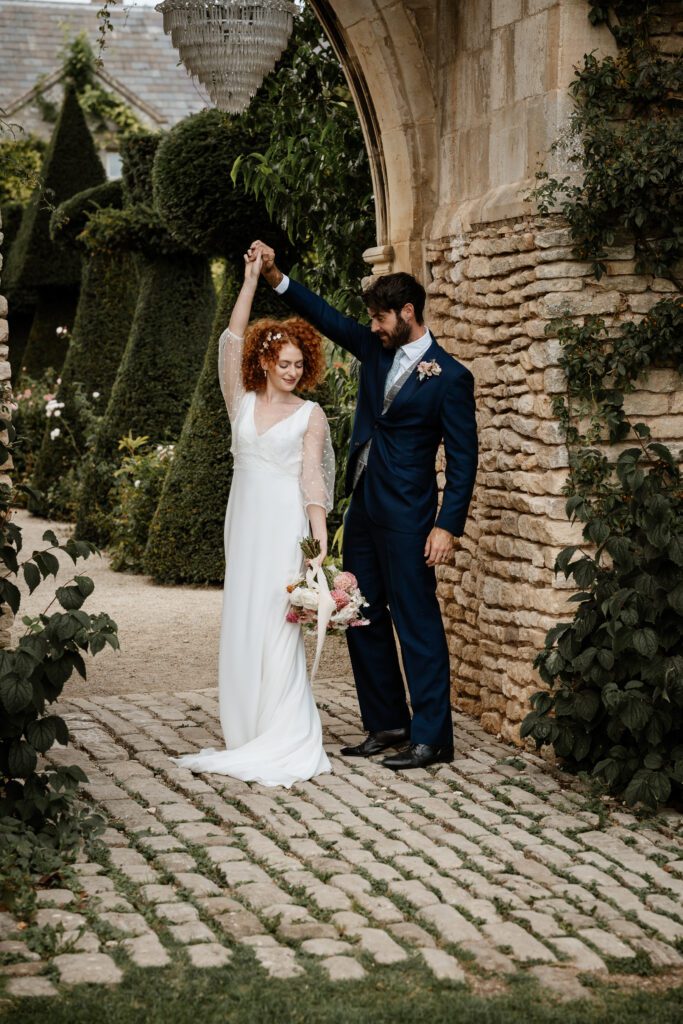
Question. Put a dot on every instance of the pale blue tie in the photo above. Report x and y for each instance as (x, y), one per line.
(394, 371)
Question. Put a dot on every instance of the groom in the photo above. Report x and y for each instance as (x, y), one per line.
(412, 396)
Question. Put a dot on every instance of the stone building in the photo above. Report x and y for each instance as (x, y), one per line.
(140, 67)
(461, 101)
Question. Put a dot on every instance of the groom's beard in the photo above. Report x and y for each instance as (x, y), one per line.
(398, 337)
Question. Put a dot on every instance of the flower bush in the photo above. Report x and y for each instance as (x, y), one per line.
(139, 482)
(29, 405)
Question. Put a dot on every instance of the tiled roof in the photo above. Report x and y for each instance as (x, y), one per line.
(138, 56)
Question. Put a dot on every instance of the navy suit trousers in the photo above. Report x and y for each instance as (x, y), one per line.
(400, 587)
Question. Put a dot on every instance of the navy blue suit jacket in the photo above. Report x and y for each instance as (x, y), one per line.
(400, 486)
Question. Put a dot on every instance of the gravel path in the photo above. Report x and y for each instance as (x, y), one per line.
(168, 634)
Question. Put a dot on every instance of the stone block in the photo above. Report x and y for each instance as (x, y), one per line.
(209, 954)
(146, 950)
(443, 966)
(87, 968)
(30, 987)
(505, 11)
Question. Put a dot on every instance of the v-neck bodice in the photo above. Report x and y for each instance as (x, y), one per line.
(279, 447)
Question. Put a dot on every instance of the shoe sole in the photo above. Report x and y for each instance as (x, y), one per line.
(409, 767)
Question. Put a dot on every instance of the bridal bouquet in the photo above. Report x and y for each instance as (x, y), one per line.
(306, 592)
(324, 600)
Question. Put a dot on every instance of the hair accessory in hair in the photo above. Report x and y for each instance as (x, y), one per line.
(271, 337)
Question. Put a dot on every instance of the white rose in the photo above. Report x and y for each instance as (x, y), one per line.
(55, 433)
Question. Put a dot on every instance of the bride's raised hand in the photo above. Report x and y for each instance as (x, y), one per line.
(252, 266)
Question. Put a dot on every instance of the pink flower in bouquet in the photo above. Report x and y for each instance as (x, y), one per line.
(340, 598)
(48, 398)
(27, 393)
(292, 616)
(345, 581)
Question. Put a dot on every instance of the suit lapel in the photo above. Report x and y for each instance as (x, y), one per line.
(413, 382)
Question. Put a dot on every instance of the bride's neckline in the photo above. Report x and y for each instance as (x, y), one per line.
(278, 421)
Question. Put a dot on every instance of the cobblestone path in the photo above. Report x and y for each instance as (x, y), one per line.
(480, 869)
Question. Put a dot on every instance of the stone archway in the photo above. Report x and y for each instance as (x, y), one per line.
(460, 102)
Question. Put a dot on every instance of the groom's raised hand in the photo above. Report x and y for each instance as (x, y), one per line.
(439, 546)
(271, 273)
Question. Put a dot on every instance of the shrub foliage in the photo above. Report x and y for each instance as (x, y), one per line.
(614, 703)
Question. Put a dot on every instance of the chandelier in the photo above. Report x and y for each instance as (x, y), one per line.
(229, 45)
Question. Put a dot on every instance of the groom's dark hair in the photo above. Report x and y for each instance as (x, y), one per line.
(393, 291)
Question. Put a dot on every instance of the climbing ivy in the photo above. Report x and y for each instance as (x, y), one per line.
(614, 703)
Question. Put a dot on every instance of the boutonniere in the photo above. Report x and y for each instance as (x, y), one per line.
(428, 369)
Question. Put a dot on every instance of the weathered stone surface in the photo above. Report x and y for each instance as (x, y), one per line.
(208, 954)
(146, 950)
(31, 987)
(91, 968)
(443, 966)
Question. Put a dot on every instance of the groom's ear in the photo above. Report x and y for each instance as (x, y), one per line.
(408, 312)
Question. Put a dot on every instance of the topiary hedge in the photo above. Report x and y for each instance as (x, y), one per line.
(101, 328)
(185, 542)
(71, 164)
(39, 272)
(202, 209)
(157, 374)
(168, 337)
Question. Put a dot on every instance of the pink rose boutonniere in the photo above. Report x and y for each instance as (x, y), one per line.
(428, 369)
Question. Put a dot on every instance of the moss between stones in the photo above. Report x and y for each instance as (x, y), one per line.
(157, 375)
(185, 542)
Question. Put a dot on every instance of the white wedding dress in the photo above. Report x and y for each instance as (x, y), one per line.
(269, 718)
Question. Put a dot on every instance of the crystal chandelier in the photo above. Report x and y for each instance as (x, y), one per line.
(229, 45)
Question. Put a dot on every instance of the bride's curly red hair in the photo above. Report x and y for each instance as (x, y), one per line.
(262, 343)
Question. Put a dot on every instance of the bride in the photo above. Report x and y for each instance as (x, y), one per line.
(281, 490)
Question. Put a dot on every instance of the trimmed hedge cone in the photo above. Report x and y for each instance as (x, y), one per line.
(157, 375)
(101, 328)
(185, 542)
(39, 273)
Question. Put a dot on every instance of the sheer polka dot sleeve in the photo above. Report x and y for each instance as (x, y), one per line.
(230, 348)
(317, 467)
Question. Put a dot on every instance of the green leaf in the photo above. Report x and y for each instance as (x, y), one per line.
(70, 597)
(11, 594)
(581, 746)
(85, 585)
(649, 788)
(675, 598)
(635, 713)
(583, 572)
(645, 641)
(587, 705)
(51, 538)
(32, 576)
(16, 693)
(42, 733)
(21, 759)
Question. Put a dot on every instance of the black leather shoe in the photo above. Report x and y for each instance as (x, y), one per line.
(418, 755)
(376, 742)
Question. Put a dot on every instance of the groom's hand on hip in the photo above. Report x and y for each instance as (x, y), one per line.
(439, 546)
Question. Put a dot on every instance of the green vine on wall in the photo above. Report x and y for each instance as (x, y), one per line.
(614, 703)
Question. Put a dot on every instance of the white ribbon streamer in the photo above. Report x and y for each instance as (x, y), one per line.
(326, 608)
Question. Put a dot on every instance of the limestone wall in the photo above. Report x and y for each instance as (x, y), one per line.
(494, 289)
(6, 617)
